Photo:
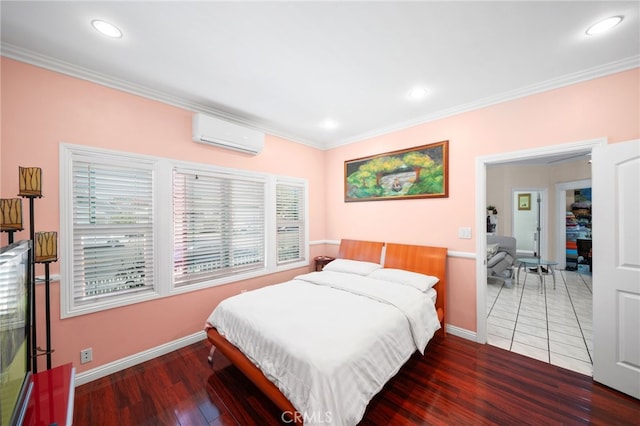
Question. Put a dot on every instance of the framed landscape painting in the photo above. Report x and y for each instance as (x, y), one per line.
(418, 172)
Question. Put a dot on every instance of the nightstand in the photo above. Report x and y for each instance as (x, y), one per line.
(321, 261)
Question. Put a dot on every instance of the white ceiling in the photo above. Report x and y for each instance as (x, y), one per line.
(286, 67)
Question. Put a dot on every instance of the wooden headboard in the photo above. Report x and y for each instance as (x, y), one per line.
(366, 251)
(425, 260)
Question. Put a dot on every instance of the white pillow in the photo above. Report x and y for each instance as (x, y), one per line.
(496, 258)
(492, 249)
(414, 279)
(351, 266)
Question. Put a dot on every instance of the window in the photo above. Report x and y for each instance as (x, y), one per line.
(111, 230)
(290, 221)
(219, 226)
(135, 228)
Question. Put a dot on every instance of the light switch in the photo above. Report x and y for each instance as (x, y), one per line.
(464, 232)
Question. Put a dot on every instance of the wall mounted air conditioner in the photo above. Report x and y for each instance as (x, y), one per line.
(214, 131)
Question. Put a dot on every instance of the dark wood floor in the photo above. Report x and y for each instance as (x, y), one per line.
(457, 382)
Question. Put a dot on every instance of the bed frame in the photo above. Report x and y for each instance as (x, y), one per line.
(423, 259)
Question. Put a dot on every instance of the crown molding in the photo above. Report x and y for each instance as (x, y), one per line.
(566, 80)
(52, 64)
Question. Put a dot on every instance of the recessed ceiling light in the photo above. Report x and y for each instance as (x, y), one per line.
(329, 124)
(604, 25)
(106, 28)
(418, 93)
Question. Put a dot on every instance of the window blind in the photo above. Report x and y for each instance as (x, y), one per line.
(136, 227)
(8, 290)
(290, 214)
(14, 270)
(219, 225)
(112, 230)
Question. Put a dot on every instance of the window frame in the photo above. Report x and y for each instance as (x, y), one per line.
(163, 226)
(227, 178)
(302, 223)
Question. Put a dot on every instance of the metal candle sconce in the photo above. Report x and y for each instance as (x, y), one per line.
(30, 182)
(11, 216)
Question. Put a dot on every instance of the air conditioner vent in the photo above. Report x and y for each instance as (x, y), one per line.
(217, 132)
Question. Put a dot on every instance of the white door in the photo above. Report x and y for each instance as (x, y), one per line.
(616, 266)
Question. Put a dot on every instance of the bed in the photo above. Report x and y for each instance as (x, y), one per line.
(322, 345)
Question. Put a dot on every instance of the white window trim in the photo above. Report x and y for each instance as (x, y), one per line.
(163, 228)
(214, 170)
(272, 226)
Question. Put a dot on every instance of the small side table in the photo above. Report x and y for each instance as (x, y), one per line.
(538, 265)
(52, 397)
(321, 261)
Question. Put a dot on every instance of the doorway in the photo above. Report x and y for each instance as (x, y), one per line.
(529, 221)
(527, 156)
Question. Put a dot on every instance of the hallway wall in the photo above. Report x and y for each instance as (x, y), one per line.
(501, 180)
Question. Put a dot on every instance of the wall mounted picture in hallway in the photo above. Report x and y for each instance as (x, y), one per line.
(418, 172)
(524, 201)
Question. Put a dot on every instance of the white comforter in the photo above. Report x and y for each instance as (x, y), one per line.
(328, 340)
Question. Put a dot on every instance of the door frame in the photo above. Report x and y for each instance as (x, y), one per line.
(544, 201)
(561, 225)
(481, 202)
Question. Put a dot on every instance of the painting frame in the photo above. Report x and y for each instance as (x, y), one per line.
(412, 173)
(524, 201)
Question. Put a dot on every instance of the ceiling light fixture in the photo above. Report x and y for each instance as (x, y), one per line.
(329, 124)
(106, 28)
(418, 93)
(604, 25)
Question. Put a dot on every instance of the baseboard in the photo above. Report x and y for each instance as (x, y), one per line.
(461, 332)
(140, 357)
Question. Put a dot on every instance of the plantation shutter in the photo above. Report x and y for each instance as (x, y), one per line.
(290, 221)
(219, 225)
(112, 229)
(9, 275)
(14, 267)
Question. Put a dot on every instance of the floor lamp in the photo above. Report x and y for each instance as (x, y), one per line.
(30, 181)
(46, 248)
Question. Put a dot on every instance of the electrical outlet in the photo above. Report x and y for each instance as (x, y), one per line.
(86, 355)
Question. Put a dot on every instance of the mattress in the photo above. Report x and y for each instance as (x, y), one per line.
(329, 340)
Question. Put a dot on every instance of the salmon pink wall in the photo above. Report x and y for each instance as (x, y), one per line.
(41, 109)
(604, 107)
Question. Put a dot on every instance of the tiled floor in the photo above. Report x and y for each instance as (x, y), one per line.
(554, 326)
